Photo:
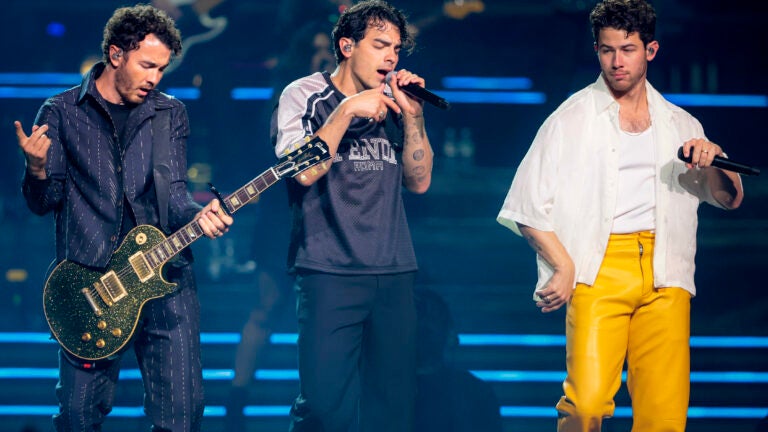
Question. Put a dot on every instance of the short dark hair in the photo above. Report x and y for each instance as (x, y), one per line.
(128, 26)
(354, 22)
(632, 16)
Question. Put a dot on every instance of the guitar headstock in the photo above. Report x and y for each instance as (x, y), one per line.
(305, 154)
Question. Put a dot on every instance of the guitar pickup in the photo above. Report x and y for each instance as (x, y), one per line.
(141, 267)
(111, 289)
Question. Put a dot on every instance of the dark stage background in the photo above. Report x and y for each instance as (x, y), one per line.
(485, 273)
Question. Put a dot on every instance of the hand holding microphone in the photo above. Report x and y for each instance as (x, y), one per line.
(421, 93)
(722, 163)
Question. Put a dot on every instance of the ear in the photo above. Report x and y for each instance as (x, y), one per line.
(346, 45)
(115, 55)
(651, 50)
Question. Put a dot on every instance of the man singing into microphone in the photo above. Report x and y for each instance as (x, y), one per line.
(350, 247)
(612, 213)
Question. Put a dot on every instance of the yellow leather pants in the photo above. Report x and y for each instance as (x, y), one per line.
(622, 317)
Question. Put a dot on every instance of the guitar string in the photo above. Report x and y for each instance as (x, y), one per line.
(275, 177)
(266, 183)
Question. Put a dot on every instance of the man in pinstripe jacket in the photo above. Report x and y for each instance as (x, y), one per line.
(90, 160)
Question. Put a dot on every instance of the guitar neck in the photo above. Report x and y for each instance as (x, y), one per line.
(192, 231)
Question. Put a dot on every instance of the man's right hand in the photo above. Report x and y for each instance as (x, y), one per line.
(35, 147)
(559, 289)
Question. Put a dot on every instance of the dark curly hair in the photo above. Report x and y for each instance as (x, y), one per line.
(376, 13)
(130, 25)
(632, 16)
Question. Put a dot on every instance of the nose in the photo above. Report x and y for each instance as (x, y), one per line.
(154, 76)
(392, 56)
(618, 60)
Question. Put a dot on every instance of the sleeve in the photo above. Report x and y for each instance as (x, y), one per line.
(291, 112)
(531, 196)
(42, 196)
(182, 207)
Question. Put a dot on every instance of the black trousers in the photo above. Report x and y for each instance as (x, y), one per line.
(356, 349)
(167, 347)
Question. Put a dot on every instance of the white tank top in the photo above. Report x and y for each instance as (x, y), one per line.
(636, 198)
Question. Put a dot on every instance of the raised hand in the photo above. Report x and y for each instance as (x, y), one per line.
(35, 147)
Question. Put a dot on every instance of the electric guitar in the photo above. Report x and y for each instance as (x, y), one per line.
(93, 314)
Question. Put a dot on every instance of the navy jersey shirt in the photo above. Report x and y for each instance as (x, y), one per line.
(352, 220)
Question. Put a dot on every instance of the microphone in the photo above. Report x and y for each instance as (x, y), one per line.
(724, 163)
(420, 92)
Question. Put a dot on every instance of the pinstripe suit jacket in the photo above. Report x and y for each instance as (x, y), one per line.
(91, 175)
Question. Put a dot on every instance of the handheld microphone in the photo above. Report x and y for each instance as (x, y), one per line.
(420, 92)
(723, 163)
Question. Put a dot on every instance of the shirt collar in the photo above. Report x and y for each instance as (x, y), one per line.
(88, 85)
(88, 88)
(656, 103)
(603, 97)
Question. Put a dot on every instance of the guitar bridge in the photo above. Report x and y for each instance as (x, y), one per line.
(111, 289)
(141, 267)
(91, 301)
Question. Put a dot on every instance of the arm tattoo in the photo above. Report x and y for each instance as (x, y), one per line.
(418, 171)
(418, 155)
(416, 135)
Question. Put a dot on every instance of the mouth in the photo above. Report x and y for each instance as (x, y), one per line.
(383, 73)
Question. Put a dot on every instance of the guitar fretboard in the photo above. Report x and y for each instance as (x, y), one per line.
(182, 238)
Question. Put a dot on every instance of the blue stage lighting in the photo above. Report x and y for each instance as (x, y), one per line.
(55, 29)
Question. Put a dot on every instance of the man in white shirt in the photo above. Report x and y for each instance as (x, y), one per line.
(612, 214)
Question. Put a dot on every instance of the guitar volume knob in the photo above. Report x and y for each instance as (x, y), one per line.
(101, 325)
(116, 332)
(100, 343)
(86, 337)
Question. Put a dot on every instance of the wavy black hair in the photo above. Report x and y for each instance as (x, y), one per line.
(632, 16)
(128, 26)
(376, 13)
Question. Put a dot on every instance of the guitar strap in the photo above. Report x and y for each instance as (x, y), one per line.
(161, 155)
